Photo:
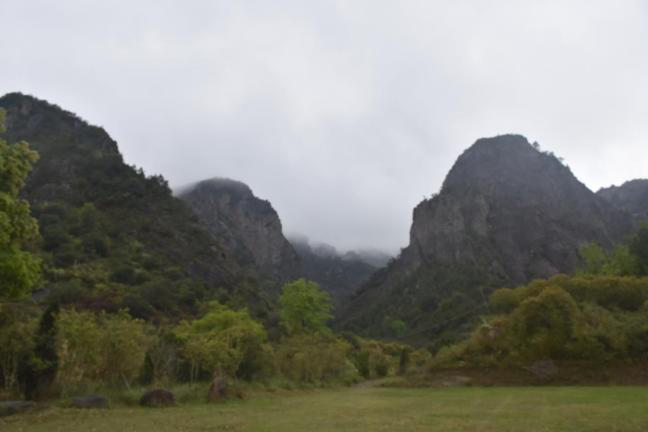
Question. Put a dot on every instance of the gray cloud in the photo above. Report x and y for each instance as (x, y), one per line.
(344, 114)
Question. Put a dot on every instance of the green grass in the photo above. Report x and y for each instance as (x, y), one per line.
(373, 409)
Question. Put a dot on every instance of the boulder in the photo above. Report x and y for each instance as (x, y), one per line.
(8, 408)
(217, 390)
(158, 398)
(90, 401)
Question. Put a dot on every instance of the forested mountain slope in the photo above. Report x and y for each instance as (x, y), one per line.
(113, 237)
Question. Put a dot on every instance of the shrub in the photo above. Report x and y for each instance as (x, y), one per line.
(223, 341)
(304, 307)
(105, 348)
(312, 358)
(17, 334)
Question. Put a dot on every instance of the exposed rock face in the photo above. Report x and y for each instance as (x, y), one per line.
(247, 225)
(509, 206)
(632, 196)
(507, 213)
(339, 275)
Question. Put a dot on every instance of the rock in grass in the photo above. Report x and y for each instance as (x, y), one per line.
(8, 408)
(158, 398)
(90, 401)
(217, 390)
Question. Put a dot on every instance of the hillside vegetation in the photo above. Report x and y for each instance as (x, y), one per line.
(596, 316)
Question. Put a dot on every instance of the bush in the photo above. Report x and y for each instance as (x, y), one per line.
(99, 348)
(591, 318)
(313, 358)
(223, 341)
(17, 333)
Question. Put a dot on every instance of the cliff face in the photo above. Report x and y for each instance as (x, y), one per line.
(507, 213)
(632, 196)
(247, 225)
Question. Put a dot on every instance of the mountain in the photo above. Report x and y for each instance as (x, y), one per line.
(632, 196)
(113, 237)
(338, 274)
(507, 213)
(251, 228)
(247, 225)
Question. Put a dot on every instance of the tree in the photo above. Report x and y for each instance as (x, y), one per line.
(222, 341)
(78, 348)
(125, 344)
(19, 269)
(639, 248)
(305, 308)
(594, 258)
(16, 343)
(39, 373)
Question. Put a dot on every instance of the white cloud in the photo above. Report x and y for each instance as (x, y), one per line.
(344, 114)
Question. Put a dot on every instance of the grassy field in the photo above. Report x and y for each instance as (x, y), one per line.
(373, 409)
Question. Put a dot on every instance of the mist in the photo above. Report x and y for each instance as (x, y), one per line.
(344, 115)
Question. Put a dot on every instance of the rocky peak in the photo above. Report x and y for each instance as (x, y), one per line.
(248, 225)
(507, 205)
(507, 213)
(503, 161)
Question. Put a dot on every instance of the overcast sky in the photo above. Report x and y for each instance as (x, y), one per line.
(344, 114)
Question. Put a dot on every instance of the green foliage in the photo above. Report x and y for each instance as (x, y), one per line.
(545, 323)
(101, 219)
(504, 300)
(361, 361)
(78, 348)
(639, 248)
(584, 318)
(19, 269)
(223, 342)
(624, 260)
(304, 307)
(16, 343)
(40, 372)
(314, 357)
(99, 348)
(125, 342)
(404, 361)
(594, 258)
(397, 327)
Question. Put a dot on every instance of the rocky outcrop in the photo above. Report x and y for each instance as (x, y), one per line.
(632, 196)
(247, 225)
(506, 213)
